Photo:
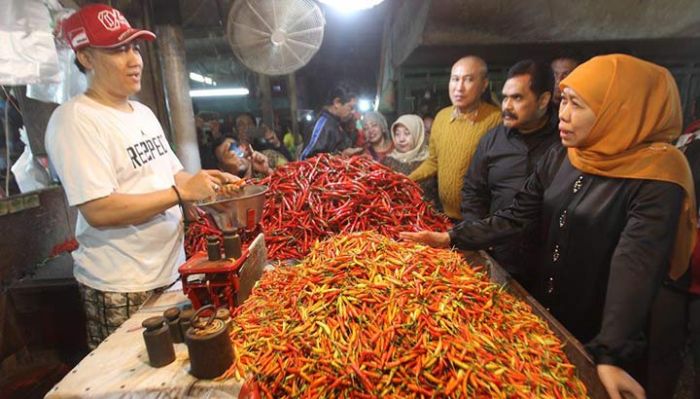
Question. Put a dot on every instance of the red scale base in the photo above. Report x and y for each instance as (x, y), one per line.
(207, 282)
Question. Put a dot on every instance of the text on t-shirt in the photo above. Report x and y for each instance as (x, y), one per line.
(147, 150)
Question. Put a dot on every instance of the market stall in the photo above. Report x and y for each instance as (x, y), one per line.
(119, 367)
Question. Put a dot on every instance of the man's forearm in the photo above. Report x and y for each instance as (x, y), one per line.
(127, 209)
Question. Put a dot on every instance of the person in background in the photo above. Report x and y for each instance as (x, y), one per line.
(228, 127)
(561, 68)
(507, 155)
(283, 128)
(675, 316)
(379, 142)
(244, 121)
(268, 143)
(214, 127)
(617, 210)
(199, 127)
(410, 150)
(274, 159)
(12, 137)
(240, 160)
(117, 168)
(327, 135)
(353, 128)
(428, 123)
(208, 132)
(15, 123)
(290, 142)
(457, 131)
(692, 131)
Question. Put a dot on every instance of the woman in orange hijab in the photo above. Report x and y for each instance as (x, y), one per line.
(615, 206)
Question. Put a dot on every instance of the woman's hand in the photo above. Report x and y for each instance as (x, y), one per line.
(431, 238)
(619, 384)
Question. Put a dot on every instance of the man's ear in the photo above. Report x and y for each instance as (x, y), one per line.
(337, 103)
(486, 85)
(84, 58)
(544, 100)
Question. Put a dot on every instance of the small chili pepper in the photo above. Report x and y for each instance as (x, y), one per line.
(348, 323)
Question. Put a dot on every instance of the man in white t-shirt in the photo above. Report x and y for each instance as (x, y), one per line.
(117, 167)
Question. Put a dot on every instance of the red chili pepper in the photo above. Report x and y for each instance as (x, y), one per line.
(196, 235)
(69, 245)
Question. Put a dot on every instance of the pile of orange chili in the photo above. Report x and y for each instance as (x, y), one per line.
(365, 316)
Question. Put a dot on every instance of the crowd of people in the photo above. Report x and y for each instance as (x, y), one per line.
(581, 194)
(574, 185)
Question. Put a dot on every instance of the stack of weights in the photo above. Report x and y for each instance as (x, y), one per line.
(208, 343)
(206, 337)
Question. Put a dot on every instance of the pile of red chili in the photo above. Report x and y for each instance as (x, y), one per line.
(196, 235)
(365, 316)
(326, 195)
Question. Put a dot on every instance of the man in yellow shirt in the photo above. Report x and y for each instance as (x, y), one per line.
(456, 132)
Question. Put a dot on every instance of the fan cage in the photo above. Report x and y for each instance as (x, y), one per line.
(275, 37)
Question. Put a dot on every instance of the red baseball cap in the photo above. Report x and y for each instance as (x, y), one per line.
(99, 25)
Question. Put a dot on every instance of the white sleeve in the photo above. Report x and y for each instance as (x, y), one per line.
(79, 152)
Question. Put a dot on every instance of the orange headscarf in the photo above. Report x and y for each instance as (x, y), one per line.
(638, 115)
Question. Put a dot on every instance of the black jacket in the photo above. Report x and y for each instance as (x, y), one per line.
(326, 137)
(502, 162)
(606, 245)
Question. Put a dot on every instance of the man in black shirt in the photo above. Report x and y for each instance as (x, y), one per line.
(507, 155)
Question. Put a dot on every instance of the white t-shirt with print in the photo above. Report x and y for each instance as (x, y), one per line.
(96, 151)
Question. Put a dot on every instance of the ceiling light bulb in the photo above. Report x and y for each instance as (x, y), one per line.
(229, 92)
(354, 5)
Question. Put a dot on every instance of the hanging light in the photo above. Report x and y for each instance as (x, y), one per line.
(229, 92)
(364, 105)
(202, 79)
(351, 5)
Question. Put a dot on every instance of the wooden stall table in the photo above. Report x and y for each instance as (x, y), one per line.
(118, 367)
